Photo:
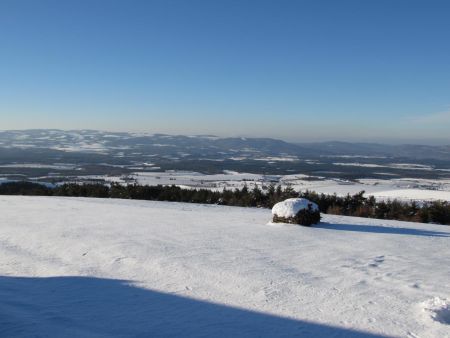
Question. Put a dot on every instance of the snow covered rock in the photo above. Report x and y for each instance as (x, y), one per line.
(296, 211)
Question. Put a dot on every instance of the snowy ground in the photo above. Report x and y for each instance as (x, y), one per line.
(116, 268)
(417, 189)
(398, 188)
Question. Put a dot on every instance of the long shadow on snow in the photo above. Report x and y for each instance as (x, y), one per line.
(381, 229)
(94, 307)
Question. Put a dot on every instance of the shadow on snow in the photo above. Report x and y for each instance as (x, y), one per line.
(381, 229)
(94, 307)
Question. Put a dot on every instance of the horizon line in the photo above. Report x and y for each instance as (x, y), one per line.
(399, 142)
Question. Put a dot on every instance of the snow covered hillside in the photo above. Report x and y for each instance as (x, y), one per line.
(118, 268)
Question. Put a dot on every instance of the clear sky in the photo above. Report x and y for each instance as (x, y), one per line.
(298, 70)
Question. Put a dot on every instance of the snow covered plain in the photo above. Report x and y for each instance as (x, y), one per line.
(117, 268)
(405, 189)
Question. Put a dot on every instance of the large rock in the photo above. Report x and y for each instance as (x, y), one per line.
(296, 211)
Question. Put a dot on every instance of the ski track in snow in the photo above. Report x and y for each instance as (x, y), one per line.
(79, 267)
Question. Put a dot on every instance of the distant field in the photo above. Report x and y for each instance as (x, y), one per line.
(205, 161)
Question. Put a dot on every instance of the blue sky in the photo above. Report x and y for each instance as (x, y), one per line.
(296, 70)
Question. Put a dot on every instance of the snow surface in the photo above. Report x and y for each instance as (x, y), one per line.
(61, 166)
(412, 194)
(118, 268)
(406, 189)
(291, 207)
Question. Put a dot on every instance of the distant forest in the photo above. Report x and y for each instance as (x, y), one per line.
(350, 205)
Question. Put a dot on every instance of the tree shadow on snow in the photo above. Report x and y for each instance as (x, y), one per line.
(381, 229)
(94, 307)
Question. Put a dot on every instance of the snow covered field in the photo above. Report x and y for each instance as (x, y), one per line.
(398, 188)
(118, 268)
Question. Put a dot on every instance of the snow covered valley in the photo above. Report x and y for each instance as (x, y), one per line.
(75, 267)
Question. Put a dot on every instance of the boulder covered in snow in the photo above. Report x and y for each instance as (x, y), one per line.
(296, 211)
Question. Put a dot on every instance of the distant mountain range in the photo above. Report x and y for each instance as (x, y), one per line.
(206, 146)
(412, 151)
(54, 155)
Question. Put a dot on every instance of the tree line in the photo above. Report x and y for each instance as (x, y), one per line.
(265, 197)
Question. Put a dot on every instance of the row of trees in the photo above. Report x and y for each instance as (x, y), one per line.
(350, 205)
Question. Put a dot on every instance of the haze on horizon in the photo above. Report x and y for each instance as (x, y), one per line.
(293, 70)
